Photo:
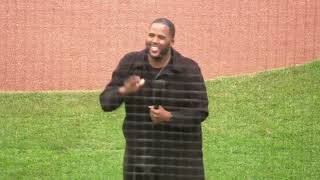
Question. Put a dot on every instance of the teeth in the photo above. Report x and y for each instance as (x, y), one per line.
(154, 48)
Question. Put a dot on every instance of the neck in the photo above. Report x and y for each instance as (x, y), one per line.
(160, 62)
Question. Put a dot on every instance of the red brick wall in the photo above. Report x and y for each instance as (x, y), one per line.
(55, 44)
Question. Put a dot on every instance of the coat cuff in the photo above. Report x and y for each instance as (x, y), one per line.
(110, 99)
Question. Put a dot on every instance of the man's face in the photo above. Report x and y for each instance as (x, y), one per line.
(158, 41)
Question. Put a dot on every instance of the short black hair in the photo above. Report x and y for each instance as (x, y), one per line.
(168, 23)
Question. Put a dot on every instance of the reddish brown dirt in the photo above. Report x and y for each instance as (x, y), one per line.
(75, 45)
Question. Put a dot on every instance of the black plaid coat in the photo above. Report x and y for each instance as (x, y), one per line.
(163, 151)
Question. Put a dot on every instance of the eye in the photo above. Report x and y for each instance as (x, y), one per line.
(162, 37)
(151, 35)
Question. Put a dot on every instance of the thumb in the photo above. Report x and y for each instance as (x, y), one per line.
(141, 82)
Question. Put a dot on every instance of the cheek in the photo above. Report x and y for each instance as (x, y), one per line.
(148, 40)
(164, 43)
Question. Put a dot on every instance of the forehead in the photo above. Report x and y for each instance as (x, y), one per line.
(159, 28)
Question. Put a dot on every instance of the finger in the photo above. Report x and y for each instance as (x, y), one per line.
(154, 115)
(133, 79)
(129, 82)
(141, 82)
(133, 83)
(152, 108)
(160, 107)
(153, 119)
(136, 78)
(154, 111)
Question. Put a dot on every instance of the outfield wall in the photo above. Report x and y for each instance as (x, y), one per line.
(75, 45)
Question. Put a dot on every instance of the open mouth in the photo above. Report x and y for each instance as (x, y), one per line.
(154, 49)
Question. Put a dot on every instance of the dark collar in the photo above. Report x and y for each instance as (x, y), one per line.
(175, 61)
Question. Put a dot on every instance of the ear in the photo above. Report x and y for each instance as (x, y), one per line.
(172, 41)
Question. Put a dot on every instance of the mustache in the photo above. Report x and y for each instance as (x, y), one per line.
(152, 44)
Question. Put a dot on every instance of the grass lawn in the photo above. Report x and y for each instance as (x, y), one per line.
(263, 126)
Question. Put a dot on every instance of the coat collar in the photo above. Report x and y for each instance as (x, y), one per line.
(175, 61)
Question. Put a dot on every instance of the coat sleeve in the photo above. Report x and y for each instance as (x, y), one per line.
(196, 110)
(110, 99)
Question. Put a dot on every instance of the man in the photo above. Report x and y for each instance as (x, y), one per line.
(165, 102)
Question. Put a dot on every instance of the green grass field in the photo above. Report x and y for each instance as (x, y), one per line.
(263, 126)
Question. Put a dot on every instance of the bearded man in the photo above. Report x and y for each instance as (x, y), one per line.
(165, 102)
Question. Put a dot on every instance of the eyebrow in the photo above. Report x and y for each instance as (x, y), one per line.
(160, 35)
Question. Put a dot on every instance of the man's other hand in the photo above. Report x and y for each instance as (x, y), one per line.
(159, 114)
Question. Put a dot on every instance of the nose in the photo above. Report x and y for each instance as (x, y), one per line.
(155, 40)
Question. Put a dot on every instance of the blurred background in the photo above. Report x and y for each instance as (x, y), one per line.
(75, 45)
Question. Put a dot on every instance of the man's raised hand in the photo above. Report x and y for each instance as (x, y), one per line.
(131, 85)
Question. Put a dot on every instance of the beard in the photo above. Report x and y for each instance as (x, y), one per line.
(162, 53)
